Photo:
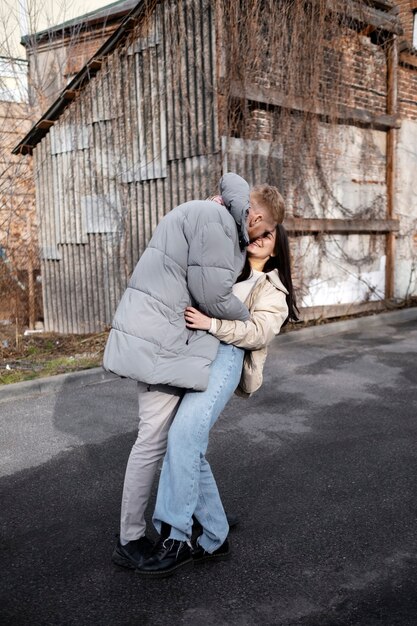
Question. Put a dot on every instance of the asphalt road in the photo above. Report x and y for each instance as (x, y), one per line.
(320, 465)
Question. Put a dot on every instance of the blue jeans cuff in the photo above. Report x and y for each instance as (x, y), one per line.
(178, 535)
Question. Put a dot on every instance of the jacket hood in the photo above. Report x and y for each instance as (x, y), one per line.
(235, 193)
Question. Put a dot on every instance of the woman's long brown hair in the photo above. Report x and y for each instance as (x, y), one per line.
(281, 261)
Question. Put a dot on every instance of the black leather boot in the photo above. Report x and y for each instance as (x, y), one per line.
(168, 555)
(133, 554)
(222, 553)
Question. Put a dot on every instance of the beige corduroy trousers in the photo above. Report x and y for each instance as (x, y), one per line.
(157, 407)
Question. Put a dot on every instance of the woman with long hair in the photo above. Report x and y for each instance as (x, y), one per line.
(265, 285)
(187, 487)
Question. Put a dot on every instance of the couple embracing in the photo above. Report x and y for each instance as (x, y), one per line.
(209, 293)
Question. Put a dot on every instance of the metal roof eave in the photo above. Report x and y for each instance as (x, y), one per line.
(107, 14)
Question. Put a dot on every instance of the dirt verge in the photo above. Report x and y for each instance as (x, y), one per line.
(46, 354)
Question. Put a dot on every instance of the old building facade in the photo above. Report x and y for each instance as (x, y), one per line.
(318, 100)
(27, 87)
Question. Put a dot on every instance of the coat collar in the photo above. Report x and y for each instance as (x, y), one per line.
(274, 278)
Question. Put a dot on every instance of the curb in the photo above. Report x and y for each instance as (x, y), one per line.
(358, 323)
(97, 375)
(41, 386)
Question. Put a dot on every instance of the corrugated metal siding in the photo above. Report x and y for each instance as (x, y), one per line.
(191, 79)
(140, 139)
(255, 160)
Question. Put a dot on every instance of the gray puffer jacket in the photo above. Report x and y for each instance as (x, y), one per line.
(193, 258)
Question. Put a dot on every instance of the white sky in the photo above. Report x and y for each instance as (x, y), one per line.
(19, 17)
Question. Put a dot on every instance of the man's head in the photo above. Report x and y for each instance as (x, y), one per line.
(266, 210)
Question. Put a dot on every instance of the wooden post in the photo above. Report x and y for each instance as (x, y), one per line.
(392, 109)
(31, 293)
(31, 283)
(16, 317)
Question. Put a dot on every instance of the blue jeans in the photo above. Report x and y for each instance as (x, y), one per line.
(187, 486)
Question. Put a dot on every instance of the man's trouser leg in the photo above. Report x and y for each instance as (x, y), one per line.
(157, 407)
(187, 484)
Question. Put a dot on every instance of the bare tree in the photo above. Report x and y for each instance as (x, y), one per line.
(27, 88)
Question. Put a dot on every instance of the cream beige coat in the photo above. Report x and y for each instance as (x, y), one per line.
(268, 310)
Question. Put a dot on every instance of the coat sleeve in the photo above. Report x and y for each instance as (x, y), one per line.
(212, 273)
(264, 324)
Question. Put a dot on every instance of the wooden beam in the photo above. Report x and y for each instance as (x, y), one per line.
(386, 122)
(344, 114)
(69, 94)
(24, 148)
(299, 225)
(45, 124)
(408, 59)
(95, 64)
(363, 14)
(384, 5)
(340, 310)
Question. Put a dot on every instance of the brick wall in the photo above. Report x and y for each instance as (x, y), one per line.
(354, 75)
(363, 75)
(407, 86)
(82, 49)
(407, 79)
(407, 7)
(52, 64)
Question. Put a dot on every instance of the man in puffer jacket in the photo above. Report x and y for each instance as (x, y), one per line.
(193, 258)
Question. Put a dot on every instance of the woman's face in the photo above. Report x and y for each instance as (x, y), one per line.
(263, 247)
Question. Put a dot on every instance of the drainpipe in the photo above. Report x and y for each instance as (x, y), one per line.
(392, 109)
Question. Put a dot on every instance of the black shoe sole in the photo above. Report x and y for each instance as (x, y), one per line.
(122, 561)
(165, 573)
(212, 557)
